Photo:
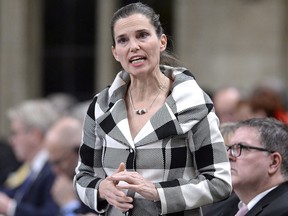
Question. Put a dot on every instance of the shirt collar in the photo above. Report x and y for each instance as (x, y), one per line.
(256, 199)
(39, 161)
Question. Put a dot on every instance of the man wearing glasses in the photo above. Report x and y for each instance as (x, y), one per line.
(258, 154)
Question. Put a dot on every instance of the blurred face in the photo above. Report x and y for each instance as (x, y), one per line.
(64, 162)
(21, 140)
(225, 102)
(250, 169)
(137, 46)
(63, 159)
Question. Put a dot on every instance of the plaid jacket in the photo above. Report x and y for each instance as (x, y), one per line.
(180, 149)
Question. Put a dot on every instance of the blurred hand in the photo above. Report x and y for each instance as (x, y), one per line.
(113, 195)
(4, 203)
(63, 190)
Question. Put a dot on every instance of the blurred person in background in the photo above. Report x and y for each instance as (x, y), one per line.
(29, 122)
(279, 86)
(244, 110)
(262, 101)
(225, 102)
(62, 102)
(79, 110)
(227, 130)
(267, 102)
(62, 142)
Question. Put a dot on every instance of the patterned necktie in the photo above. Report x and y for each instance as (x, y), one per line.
(242, 211)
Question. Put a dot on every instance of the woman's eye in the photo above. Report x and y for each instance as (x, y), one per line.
(121, 40)
(143, 34)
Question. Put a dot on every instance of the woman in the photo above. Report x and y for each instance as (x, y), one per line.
(151, 142)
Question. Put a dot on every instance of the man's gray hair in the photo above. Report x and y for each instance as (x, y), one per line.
(37, 113)
(273, 136)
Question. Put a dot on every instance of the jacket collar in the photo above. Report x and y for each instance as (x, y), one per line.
(175, 117)
(268, 198)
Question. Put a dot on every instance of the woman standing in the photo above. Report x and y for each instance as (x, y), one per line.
(151, 143)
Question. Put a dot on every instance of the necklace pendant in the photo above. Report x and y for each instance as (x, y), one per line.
(141, 111)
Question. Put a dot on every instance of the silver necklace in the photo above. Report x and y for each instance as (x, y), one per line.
(144, 110)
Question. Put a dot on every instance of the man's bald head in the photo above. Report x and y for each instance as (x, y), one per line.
(62, 142)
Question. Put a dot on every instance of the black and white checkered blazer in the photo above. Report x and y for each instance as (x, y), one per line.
(180, 149)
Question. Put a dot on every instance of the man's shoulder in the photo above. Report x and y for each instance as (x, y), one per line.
(273, 203)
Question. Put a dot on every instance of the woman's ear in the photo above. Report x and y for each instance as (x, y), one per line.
(115, 54)
(163, 41)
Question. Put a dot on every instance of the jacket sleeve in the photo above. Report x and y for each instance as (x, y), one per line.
(212, 180)
(89, 171)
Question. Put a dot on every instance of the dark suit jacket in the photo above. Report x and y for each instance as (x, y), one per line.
(274, 203)
(37, 200)
(227, 207)
(8, 162)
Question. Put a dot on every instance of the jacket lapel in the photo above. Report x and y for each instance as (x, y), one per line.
(266, 200)
(115, 124)
(184, 108)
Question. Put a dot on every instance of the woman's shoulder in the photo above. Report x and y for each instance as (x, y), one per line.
(178, 71)
(108, 96)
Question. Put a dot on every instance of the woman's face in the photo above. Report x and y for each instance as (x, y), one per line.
(137, 46)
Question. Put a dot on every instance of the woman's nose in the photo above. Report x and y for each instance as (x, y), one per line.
(134, 45)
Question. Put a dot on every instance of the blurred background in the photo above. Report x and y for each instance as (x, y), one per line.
(64, 46)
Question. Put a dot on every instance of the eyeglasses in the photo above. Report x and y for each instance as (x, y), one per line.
(236, 149)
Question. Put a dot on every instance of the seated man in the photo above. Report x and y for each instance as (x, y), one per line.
(62, 142)
(258, 153)
(29, 122)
